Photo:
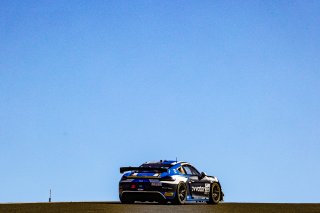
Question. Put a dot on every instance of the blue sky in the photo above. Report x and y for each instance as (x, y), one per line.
(89, 86)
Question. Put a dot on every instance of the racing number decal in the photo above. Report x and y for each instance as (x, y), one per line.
(206, 188)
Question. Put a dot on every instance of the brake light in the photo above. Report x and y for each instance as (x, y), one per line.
(133, 186)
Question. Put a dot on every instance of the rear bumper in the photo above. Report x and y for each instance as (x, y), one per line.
(143, 196)
(146, 192)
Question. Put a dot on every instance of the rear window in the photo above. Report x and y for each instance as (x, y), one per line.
(156, 165)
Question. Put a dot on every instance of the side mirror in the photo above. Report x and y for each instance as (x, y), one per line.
(202, 175)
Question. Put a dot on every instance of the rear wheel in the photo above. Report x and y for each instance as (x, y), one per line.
(181, 194)
(215, 193)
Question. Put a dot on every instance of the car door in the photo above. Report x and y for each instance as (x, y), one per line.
(199, 187)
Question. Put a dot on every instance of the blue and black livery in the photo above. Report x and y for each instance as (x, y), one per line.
(163, 181)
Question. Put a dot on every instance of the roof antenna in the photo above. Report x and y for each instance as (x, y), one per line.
(176, 160)
(50, 196)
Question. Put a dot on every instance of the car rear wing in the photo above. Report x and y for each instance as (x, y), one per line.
(142, 169)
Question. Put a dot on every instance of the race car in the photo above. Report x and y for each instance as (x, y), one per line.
(166, 181)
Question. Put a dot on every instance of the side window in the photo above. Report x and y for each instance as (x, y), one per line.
(188, 170)
(194, 171)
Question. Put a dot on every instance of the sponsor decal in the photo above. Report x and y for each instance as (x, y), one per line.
(156, 184)
(168, 194)
(198, 188)
(205, 189)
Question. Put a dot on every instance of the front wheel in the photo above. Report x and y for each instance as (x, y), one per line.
(181, 194)
(215, 193)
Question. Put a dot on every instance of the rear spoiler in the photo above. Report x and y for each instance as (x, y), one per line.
(140, 169)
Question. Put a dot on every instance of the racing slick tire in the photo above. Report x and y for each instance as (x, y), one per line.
(181, 194)
(215, 193)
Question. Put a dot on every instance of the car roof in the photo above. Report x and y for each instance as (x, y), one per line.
(166, 162)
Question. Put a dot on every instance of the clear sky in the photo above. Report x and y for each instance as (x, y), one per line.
(230, 86)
